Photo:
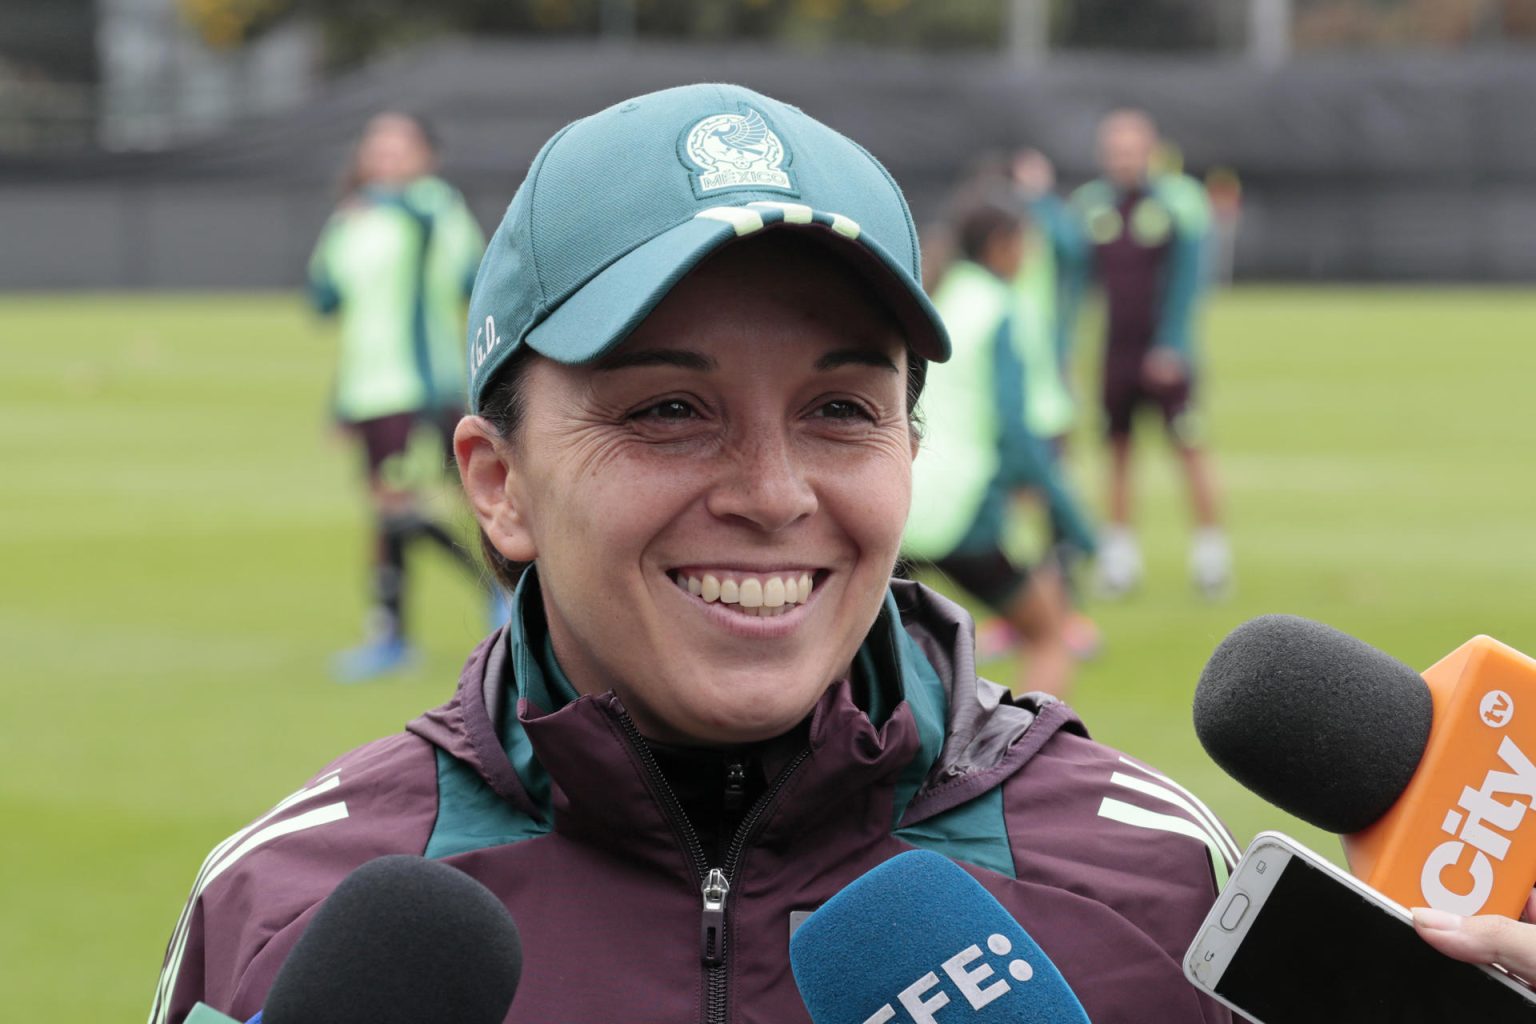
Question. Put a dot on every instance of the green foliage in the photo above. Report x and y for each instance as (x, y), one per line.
(226, 24)
(1148, 25)
(183, 549)
(357, 29)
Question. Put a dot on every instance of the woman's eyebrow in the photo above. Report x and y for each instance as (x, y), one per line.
(657, 357)
(855, 357)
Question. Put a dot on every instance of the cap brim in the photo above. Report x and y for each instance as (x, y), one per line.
(604, 311)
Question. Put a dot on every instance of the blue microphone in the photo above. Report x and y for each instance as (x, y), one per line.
(919, 941)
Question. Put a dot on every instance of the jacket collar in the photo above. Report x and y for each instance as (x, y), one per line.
(915, 730)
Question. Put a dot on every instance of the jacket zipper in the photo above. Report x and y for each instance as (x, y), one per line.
(714, 883)
(745, 832)
(712, 933)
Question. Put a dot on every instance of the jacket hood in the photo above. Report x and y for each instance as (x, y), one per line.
(972, 733)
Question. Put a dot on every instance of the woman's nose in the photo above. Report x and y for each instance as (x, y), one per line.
(763, 484)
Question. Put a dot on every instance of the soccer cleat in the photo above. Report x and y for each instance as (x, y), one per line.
(1210, 564)
(1117, 570)
(373, 659)
(995, 638)
(1082, 636)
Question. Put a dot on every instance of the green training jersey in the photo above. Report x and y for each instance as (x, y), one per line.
(977, 446)
(396, 268)
(1048, 405)
(959, 459)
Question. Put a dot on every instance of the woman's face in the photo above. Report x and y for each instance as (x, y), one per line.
(393, 152)
(1126, 141)
(749, 438)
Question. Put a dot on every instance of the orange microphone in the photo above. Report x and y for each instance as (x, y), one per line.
(1429, 779)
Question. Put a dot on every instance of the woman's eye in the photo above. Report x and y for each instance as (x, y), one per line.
(671, 409)
(842, 409)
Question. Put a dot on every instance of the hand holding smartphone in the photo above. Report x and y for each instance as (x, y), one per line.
(1293, 939)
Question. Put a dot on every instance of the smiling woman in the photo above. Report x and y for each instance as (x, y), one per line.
(693, 385)
(744, 452)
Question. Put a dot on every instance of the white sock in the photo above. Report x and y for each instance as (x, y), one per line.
(1211, 540)
(1119, 536)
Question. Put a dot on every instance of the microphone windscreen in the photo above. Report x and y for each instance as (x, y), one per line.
(916, 934)
(1316, 722)
(400, 941)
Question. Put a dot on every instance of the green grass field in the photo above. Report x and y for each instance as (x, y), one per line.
(183, 539)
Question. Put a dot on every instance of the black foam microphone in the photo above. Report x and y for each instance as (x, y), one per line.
(401, 940)
(1429, 778)
(1316, 722)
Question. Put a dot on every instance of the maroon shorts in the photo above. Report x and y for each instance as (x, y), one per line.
(990, 576)
(388, 437)
(1125, 390)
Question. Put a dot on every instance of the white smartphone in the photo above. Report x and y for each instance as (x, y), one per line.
(1293, 939)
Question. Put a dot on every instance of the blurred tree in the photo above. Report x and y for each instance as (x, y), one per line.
(49, 71)
(1403, 24)
(1139, 24)
(356, 29)
(226, 24)
(51, 39)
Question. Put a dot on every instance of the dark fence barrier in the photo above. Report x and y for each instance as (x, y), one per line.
(1371, 168)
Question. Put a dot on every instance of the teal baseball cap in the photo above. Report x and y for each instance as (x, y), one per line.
(619, 206)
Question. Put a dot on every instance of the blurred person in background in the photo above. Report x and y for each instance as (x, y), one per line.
(1052, 239)
(1053, 242)
(1145, 235)
(1224, 189)
(395, 264)
(979, 451)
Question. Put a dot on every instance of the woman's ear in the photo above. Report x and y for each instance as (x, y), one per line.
(487, 468)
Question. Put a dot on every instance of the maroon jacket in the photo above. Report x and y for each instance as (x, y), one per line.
(558, 809)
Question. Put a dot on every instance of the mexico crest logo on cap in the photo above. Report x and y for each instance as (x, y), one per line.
(736, 151)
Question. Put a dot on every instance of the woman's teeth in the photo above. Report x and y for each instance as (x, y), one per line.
(752, 595)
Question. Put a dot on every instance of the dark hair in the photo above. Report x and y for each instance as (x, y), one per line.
(505, 399)
(982, 198)
(423, 125)
(351, 177)
(505, 403)
(980, 221)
